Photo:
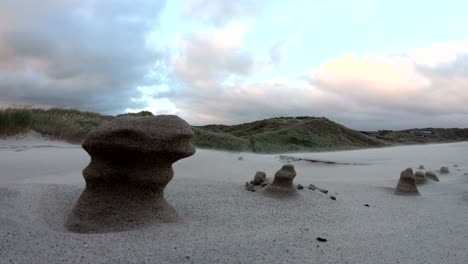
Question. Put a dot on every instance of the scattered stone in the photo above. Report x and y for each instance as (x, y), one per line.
(456, 166)
(300, 187)
(259, 178)
(320, 239)
(407, 183)
(466, 173)
(444, 170)
(419, 177)
(421, 167)
(240, 158)
(323, 190)
(283, 181)
(367, 205)
(313, 188)
(131, 164)
(333, 198)
(431, 176)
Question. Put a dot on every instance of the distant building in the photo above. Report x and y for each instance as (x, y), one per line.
(421, 133)
(369, 133)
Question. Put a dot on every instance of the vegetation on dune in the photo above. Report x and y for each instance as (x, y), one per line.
(66, 124)
(286, 134)
(274, 135)
(218, 140)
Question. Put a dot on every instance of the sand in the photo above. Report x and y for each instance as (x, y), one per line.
(223, 223)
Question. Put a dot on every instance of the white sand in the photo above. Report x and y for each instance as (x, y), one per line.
(223, 223)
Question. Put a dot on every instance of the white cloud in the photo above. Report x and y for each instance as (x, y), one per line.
(219, 12)
(438, 54)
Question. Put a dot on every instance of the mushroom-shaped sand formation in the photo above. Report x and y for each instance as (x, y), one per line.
(131, 164)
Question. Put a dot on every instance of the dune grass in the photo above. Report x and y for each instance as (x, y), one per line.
(14, 121)
(65, 124)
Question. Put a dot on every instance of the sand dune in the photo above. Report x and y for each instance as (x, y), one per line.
(224, 223)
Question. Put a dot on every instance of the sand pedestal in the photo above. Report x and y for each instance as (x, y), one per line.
(131, 164)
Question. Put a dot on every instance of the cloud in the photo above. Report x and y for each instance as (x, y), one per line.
(439, 54)
(373, 92)
(220, 13)
(394, 83)
(207, 59)
(86, 54)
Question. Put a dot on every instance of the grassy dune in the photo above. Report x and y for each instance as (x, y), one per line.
(274, 135)
(292, 134)
(66, 124)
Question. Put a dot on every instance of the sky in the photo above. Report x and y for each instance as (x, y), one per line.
(367, 64)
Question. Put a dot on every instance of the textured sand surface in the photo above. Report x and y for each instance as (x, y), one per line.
(224, 223)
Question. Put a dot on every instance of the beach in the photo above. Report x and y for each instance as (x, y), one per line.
(40, 180)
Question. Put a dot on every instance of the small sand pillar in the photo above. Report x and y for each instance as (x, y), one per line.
(407, 183)
(420, 177)
(283, 181)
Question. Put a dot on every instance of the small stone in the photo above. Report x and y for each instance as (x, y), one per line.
(240, 158)
(313, 188)
(431, 176)
(300, 187)
(444, 170)
(320, 239)
(421, 167)
(456, 166)
(333, 198)
(324, 191)
(367, 205)
(465, 174)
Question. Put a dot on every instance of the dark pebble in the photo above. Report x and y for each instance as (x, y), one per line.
(300, 187)
(367, 205)
(333, 198)
(321, 239)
